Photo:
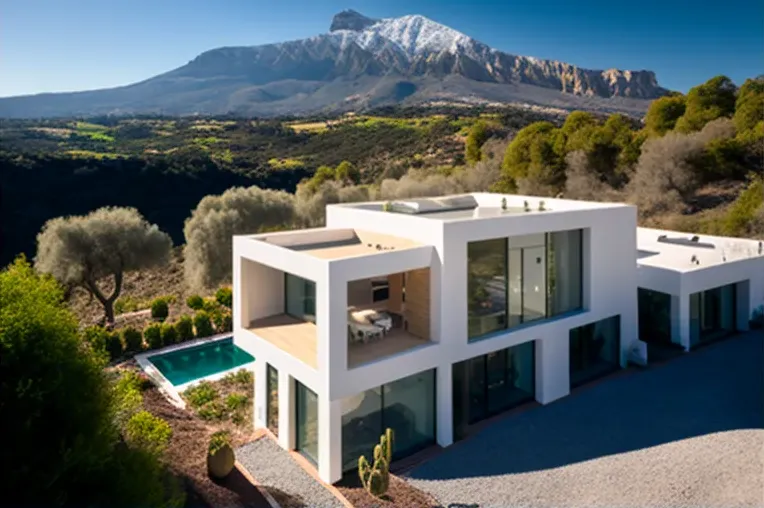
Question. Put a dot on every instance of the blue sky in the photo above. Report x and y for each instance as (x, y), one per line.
(62, 45)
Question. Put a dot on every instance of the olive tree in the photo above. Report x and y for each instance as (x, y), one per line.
(83, 250)
(209, 231)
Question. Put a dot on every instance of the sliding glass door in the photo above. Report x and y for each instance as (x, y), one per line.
(306, 409)
(595, 350)
(712, 314)
(299, 297)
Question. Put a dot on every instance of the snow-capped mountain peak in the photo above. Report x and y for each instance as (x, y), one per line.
(413, 35)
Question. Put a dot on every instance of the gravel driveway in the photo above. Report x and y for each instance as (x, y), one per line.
(686, 433)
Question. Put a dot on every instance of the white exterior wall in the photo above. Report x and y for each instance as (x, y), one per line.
(610, 276)
(747, 273)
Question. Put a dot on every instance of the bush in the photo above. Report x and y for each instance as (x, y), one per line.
(169, 334)
(133, 340)
(127, 397)
(224, 296)
(195, 302)
(214, 410)
(242, 377)
(222, 320)
(148, 432)
(153, 335)
(160, 309)
(202, 324)
(201, 394)
(114, 345)
(236, 401)
(185, 328)
(210, 305)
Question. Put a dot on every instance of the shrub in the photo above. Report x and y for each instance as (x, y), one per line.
(224, 296)
(236, 401)
(214, 410)
(202, 324)
(210, 305)
(127, 397)
(201, 394)
(185, 328)
(160, 309)
(169, 334)
(242, 377)
(195, 302)
(114, 345)
(127, 303)
(218, 441)
(148, 432)
(133, 340)
(223, 321)
(153, 335)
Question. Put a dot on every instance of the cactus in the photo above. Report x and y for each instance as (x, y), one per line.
(526, 206)
(375, 478)
(542, 206)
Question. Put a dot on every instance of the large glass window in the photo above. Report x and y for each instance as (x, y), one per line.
(654, 316)
(300, 297)
(407, 406)
(494, 383)
(486, 286)
(306, 402)
(564, 271)
(523, 279)
(712, 314)
(272, 407)
(595, 350)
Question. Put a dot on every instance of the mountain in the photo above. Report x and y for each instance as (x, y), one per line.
(361, 62)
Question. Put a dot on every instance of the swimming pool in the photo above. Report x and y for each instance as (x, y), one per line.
(189, 364)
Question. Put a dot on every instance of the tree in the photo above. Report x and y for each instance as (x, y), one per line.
(209, 231)
(346, 172)
(53, 394)
(749, 106)
(517, 158)
(108, 242)
(713, 99)
(663, 114)
(479, 134)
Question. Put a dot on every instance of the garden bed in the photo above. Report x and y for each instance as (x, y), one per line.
(400, 494)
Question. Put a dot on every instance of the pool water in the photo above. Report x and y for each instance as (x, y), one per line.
(196, 362)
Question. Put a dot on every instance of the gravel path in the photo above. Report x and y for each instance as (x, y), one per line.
(686, 433)
(276, 470)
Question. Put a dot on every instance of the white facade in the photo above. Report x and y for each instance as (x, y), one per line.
(319, 357)
(680, 265)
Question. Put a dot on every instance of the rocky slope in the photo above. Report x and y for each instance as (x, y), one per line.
(360, 62)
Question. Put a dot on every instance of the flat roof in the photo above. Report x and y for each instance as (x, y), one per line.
(479, 205)
(685, 252)
(334, 243)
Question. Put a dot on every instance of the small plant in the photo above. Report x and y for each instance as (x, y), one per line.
(202, 324)
(153, 335)
(542, 206)
(159, 309)
(526, 206)
(201, 394)
(224, 296)
(210, 305)
(387, 207)
(133, 340)
(220, 456)
(169, 334)
(236, 401)
(242, 377)
(375, 478)
(185, 328)
(148, 432)
(195, 302)
(125, 304)
(212, 411)
(114, 345)
(222, 320)
(504, 204)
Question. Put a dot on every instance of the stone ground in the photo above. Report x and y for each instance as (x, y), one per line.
(275, 469)
(689, 432)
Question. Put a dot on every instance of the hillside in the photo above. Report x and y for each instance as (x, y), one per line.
(359, 64)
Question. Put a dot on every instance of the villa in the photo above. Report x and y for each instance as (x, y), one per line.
(429, 315)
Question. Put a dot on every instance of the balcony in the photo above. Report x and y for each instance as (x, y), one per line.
(296, 337)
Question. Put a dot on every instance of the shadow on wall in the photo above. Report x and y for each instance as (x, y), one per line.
(712, 390)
